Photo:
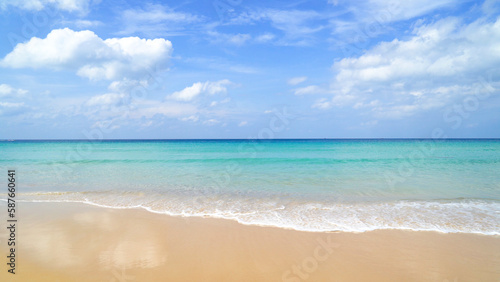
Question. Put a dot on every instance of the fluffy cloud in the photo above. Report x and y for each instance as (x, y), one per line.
(8, 91)
(191, 92)
(91, 56)
(37, 5)
(438, 63)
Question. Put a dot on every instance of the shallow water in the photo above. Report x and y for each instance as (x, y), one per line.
(314, 185)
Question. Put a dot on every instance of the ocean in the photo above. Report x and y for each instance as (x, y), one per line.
(351, 185)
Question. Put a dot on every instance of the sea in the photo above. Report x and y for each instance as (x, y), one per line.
(318, 185)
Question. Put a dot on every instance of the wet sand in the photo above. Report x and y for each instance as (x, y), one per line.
(77, 242)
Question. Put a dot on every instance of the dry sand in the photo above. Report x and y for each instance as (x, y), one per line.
(77, 242)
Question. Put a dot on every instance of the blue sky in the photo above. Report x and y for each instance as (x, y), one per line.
(249, 69)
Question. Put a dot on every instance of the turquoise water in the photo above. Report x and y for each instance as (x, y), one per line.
(314, 185)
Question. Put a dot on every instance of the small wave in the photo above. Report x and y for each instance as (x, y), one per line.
(448, 216)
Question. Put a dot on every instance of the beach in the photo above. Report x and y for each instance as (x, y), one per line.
(79, 242)
(250, 141)
(237, 210)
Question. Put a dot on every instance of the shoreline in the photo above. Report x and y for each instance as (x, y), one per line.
(147, 209)
(82, 242)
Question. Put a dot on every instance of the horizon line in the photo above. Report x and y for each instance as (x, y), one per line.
(254, 139)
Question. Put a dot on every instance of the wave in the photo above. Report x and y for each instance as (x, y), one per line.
(461, 215)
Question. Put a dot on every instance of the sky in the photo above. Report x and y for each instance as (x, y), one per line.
(124, 69)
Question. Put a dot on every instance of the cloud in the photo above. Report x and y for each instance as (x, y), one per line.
(11, 109)
(82, 23)
(266, 37)
(150, 109)
(8, 91)
(297, 26)
(440, 62)
(190, 118)
(191, 92)
(382, 11)
(211, 122)
(291, 27)
(297, 80)
(156, 19)
(37, 5)
(243, 123)
(222, 64)
(90, 56)
(239, 39)
(311, 89)
(403, 10)
(234, 39)
(106, 99)
(292, 22)
(121, 109)
(358, 23)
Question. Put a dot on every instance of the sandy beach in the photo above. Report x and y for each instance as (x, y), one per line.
(78, 242)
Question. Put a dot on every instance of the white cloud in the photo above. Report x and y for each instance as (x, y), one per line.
(150, 109)
(439, 63)
(190, 118)
(222, 64)
(121, 109)
(370, 123)
(382, 11)
(243, 123)
(84, 23)
(403, 10)
(239, 39)
(322, 104)
(10, 109)
(8, 91)
(106, 99)
(91, 56)
(364, 21)
(11, 105)
(37, 5)
(490, 7)
(297, 26)
(311, 89)
(234, 39)
(292, 22)
(266, 37)
(297, 80)
(211, 122)
(155, 19)
(191, 92)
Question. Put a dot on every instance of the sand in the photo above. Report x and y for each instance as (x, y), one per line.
(77, 242)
